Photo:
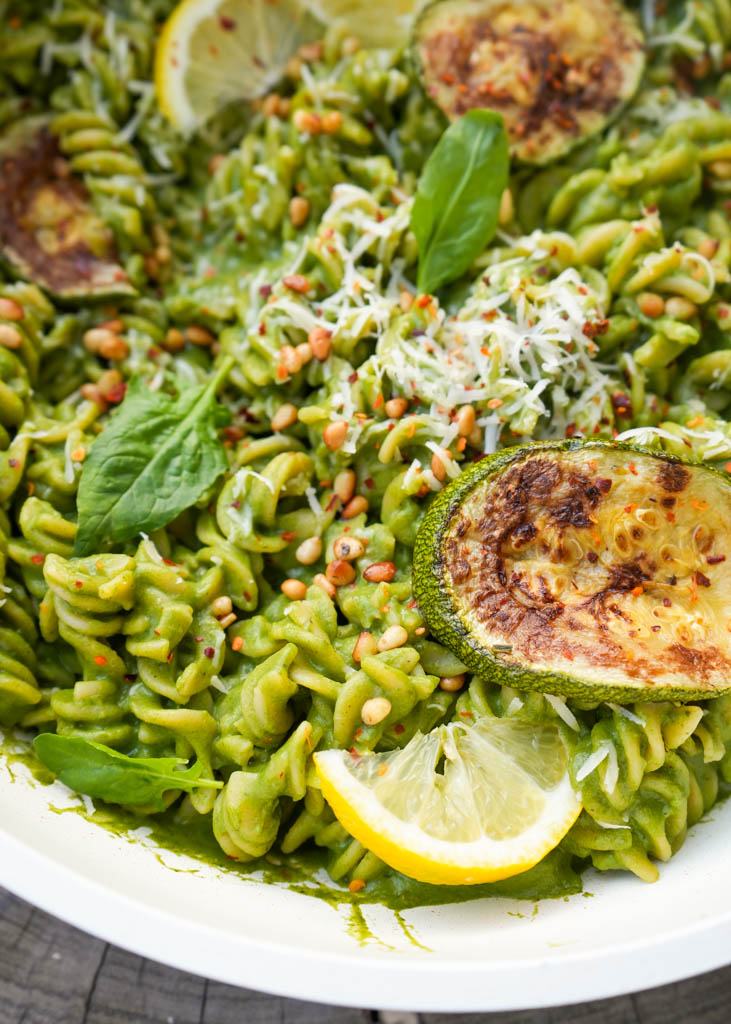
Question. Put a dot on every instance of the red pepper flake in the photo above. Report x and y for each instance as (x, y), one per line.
(288, 535)
(700, 505)
(170, 657)
(637, 591)
(466, 714)
(37, 559)
(701, 579)
(666, 602)
(399, 728)
(655, 629)
(237, 643)
(353, 377)
(369, 482)
(412, 604)
(209, 652)
(356, 885)
(99, 659)
(715, 559)
(727, 467)
(378, 401)
(169, 561)
(226, 23)
(78, 584)
(592, 556)
(630, 508)
(603, 484)
(423, 301)
(632, 469)
(13, 463)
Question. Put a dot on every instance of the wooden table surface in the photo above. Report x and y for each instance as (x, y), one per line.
(51, 973)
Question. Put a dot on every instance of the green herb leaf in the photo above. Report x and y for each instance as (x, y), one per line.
(455, 211)
(156, 457)
(91, 768)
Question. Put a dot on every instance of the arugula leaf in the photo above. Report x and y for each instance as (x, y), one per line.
(156, 457)
(92, 768)
(455, 211)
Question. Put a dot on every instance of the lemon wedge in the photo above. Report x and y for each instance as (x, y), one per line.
(215, 52)
(377, 23)
(461, 805)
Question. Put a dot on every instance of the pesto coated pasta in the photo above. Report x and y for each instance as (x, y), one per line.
(291, 404)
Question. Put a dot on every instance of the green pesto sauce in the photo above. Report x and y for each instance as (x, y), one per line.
(305, 871)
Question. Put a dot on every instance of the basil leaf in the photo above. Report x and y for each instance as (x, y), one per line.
(455, 211)
(91, 768)
(156, 457)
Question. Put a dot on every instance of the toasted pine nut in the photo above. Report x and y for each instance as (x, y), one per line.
(114, 348)
(396, 407)
(320, 343)
(304, 352)
(299, 210)
(344, 485)
(10, 337)
(348, 548)
(309, 551)
(466, 420)
(293, 68)
(295, 590)
(651, 304)
(364, 645)
(394, 636)
(708, 248)
(93, 394)
(111, 386)
(221, 606)
(380, 572)
(296, 283)
(227, 620)
(437, 468)
(95, 337)
(174, 340)
(507, 208)
(680, 308)
(200, 336)
(405, 301)
(289, 359)
(452, 683)
(324, 583)
(270, 105)
(339, 572)
(334, 434)
(375, 710)
(113, 325)
(284, 417)
(10, 309)
(306, 121)
(354, 507)
(332, 122)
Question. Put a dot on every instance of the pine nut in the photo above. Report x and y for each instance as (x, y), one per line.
(296, 283)
(394, 636)
(92, 393)
(437, 468)
(270, 105)
(364, 645)
(227, 620)
(651, 304)
(114, 348)
(334, 434)
(10, 337)
(466, 420)
(475, 437)
(340, 573)
(95, 337)
(708, 248)
(285, 416)
(295, 590)
(221, 606)
(375, 710)
(380, 572)
(396, 407)
(348, 548)
(320, 343)
(452, 683)
(112, 386)
(174, 340)
(289, 359)
(299, 211)
(324, 583)
(10, 309)
(309, 551)
(306, 121)
(680, 308)
(304, 352)
(355, 507)
(332, 122)
(113, 325)
(344, 485)
(405, 301)
(200, 336)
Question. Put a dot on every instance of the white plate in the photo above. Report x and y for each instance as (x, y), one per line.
(481, 955)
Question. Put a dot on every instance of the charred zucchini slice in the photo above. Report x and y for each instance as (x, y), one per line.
(591, 570)
(557, 70)
(49, 233)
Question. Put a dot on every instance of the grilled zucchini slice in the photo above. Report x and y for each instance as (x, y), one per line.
(49, 233)
(557, 70)
(587, 569)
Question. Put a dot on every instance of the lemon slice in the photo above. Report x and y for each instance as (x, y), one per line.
(214, 52)
(377, 23)
(461, 805)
